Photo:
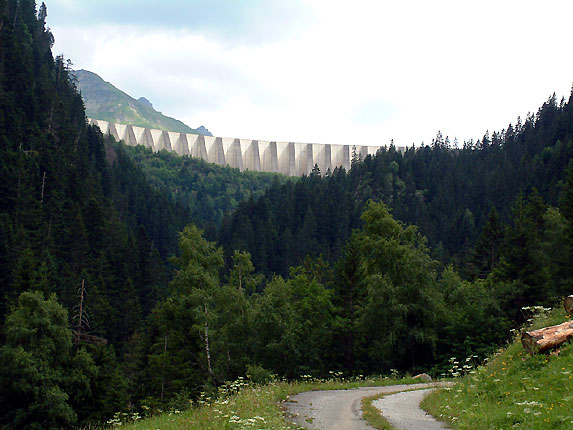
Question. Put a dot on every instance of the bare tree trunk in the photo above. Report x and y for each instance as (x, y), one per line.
(81, 306)
(51, 118)
(18, 190)
(43, 185)
(207, 350)
(163, 367)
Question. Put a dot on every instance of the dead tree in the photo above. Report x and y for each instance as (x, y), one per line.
(79, 335)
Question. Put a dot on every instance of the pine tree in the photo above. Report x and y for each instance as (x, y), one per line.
(487, 248)
(34, 365)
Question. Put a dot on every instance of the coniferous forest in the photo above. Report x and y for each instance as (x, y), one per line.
(112, 297)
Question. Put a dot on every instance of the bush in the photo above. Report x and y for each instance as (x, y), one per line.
(259, 375)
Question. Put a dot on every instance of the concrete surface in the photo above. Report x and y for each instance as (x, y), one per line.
(288, 158)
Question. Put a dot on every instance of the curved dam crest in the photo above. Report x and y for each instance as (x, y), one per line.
(288, 158)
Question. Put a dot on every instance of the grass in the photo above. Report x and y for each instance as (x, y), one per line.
(246, 406)
(513, 390)
(372, 415)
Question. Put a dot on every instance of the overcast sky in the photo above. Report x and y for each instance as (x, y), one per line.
(327, 71)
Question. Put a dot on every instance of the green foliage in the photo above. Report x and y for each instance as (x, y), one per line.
(471, 321)
(35, 360)
(398, 316)
(242, 274)
(209, 191)
(292, 321)
(259, 375)
(198, 332)
(200, 261)
(487, 247)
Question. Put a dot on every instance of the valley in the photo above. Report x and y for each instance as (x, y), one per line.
(136, 282)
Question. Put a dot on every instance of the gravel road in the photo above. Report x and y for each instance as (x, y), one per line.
(340, 409)
(403, 412)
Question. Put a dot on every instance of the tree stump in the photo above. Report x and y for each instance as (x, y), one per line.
(546, 338)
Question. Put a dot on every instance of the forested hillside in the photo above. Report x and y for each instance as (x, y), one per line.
(73, 208)
(165, 314)
(448, 192)
(208, 190)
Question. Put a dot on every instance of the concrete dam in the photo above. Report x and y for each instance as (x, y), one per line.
(288, 158)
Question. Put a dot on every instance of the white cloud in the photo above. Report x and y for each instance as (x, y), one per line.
(364, 71)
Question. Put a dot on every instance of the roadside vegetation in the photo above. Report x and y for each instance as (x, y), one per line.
(513, 390)
(245, 405)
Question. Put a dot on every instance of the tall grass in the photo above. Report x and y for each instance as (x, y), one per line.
(513, 390)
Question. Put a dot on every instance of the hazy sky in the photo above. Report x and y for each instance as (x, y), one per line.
(327, 71)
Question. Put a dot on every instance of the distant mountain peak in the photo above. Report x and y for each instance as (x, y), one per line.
(145, 101)
(105, 102)
(202, 130)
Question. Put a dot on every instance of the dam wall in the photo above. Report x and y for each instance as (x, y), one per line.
(288, 158)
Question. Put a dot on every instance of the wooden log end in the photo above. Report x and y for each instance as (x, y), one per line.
(568, 304)
(529, 343)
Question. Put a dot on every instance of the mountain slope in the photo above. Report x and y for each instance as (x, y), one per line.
(106, 102)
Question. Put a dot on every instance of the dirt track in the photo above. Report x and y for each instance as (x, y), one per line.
(340, 409)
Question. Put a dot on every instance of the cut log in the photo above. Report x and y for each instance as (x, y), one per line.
(546, 338)
(568, 304)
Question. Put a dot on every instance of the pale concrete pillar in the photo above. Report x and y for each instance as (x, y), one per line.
(227, 143)
(215, 152)
(128, 136)
(112, 131)
(270, 159)
(340, 156)
(286, 158)
(193, 144)
(147, 140)
(251, 155)
(178, 143)
(200, 147)
(304, 161)
(235, 157)
(160, 140)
